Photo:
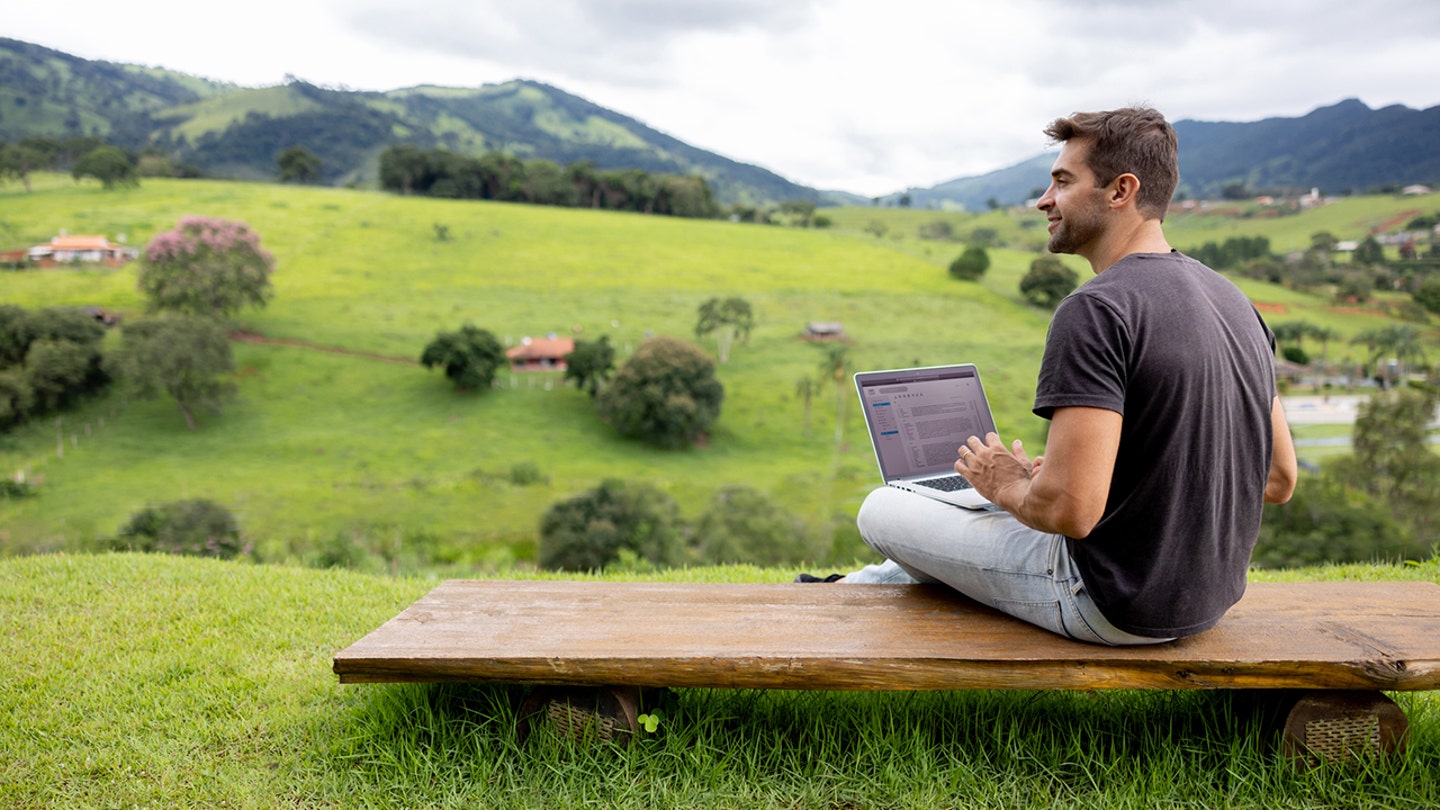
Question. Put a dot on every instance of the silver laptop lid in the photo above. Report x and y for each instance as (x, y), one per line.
(919, 417)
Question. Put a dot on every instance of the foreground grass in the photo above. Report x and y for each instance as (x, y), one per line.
(129, 680)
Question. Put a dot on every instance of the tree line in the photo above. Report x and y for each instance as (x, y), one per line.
(408, 169)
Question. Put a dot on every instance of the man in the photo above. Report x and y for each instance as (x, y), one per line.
(1166, 433)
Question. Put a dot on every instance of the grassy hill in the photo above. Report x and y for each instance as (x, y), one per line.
(153, 681)
(321, 443)
(339, 438)
(238, 132)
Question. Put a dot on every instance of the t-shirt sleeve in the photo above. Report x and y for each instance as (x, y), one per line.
(1085, 360)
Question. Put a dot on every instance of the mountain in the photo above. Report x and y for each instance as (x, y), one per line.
(233, 131)
(1339, 149)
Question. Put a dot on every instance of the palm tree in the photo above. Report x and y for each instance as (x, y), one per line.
(835, 368)
(1394, 344)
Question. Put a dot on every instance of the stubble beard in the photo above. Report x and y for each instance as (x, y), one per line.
(1076, 229)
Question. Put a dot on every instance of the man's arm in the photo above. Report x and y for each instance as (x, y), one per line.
(1284, 469)
(1065, 494)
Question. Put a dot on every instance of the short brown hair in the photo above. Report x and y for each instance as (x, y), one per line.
(1134, 140)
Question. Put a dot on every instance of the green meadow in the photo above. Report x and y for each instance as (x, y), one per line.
(337, 432)
(158, 681)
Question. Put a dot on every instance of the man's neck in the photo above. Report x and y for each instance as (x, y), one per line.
(1141, 236)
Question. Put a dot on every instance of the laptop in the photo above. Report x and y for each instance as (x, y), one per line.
(918, 418)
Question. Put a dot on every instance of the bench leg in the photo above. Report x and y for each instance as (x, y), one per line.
(603, 713)
(1343, 726)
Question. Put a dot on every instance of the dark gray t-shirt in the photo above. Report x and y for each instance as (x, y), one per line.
(1183, 356)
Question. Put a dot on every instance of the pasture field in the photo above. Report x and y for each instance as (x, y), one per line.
(337, 431)
(320, 442)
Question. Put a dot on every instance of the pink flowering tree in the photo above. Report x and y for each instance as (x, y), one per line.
(206, 266)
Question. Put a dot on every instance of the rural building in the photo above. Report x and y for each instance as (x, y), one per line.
(824, 330)
(540, 354)
(87, 249)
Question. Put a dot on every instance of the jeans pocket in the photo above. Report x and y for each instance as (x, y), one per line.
(1045, 615)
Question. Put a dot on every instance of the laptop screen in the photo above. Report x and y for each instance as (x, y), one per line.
(919, 417)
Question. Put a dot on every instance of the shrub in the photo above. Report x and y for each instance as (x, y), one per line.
(970, 265)
(527, 473)
(1048, 282)
(744, 526)
(12, 490)
(589, 531)
(1328, 522)
(197, 528)
(469, 356)
(666, 394)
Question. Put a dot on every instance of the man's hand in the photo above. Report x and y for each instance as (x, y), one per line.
(1066, 495)
(990, 468)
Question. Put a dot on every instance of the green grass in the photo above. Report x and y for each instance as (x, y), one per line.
(153, 681)
(320, 445)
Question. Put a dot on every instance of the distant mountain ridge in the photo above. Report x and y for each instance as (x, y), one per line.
(1346, 147)
(233, 131)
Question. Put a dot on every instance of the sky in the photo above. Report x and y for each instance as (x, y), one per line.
(856, 95)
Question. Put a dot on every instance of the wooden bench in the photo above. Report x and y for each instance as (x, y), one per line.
(1343, 642)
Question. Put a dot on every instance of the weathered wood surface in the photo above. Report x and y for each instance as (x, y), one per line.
(1337, 635)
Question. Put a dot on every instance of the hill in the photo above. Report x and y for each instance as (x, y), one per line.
(1343, 149)
(232, 131)
(339, 440)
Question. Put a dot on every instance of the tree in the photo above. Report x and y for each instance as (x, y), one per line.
(1048, 282)
(666, 394)
(590, 364)
(835, 369)
(593, 529)
(1427, 295)
(19, 160)
(1368, 252)
(298, 164)
(1323, 242)
(208, 267)
(17, 397)
(186, 358)
(729, 319)
(469, 356)
(61, 371)
(50, 358)
(970, 265)
(111, 166)
(1392, 457)
(14, 335)
(1400, 343)
(1327, 522)
(805, 390)
(743, 526)
(197, 528)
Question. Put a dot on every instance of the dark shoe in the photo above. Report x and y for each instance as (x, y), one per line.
(813, 578)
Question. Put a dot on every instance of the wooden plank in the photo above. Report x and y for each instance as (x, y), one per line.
(1327, 635)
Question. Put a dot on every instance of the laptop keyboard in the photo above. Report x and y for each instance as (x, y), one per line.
(948, 483)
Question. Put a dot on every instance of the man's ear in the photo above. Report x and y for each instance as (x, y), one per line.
(1124, 190)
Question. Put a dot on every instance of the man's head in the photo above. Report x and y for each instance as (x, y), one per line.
(1133, 140)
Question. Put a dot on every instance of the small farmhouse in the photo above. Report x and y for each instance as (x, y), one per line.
(824, 330)
(88, 249)
(540, 354)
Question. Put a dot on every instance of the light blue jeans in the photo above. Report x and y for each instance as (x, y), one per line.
(987, 555)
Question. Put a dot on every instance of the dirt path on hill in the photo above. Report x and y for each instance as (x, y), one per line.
(260, 340)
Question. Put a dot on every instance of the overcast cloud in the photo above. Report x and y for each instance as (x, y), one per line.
(843, 94)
